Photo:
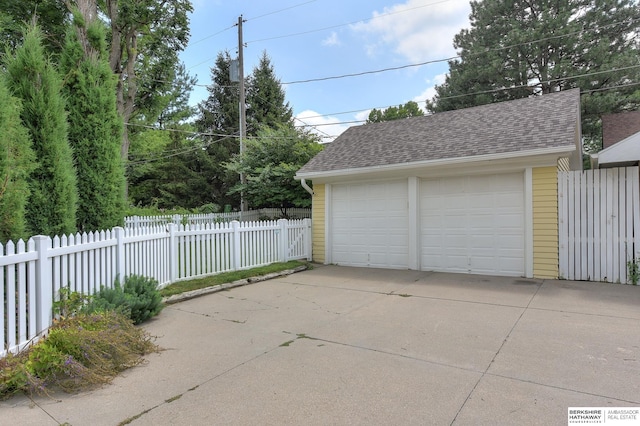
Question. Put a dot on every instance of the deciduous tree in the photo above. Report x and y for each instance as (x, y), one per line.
(410, 109)
(146, 38)
(270, 161)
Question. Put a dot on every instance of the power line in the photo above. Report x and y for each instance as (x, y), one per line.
(177, 130)
(485, 92)
(454, 57)
(250, 19)
(553, 80)
(208, 37)
(369, 72)
(590, 91)
(281, 10)
(172, 153)
(382, 15)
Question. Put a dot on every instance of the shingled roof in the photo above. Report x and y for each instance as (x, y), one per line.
(530, 124)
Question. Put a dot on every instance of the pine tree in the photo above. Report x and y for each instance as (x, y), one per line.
(518, 48)
(51, 207)
(220, 119)
(16, 163)
(266, 104)
(95, 128)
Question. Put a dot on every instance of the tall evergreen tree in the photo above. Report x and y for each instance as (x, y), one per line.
(266, 104)
(50, 15)
(518, 48)
(95, 130)
(220, 120)
(52, 204)
(16, 163)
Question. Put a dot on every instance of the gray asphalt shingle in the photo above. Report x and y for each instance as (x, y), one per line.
(540, 122)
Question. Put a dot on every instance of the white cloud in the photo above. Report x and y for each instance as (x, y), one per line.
(332, 40)
(328, 127)
(363, 115)
(430, 91)
(418, 30)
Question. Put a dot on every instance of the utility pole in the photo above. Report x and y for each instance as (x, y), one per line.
(243, 108)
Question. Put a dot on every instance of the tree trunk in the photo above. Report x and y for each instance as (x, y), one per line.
(123, 67)
(89, 11)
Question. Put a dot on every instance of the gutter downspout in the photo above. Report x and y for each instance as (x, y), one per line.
(307, 188)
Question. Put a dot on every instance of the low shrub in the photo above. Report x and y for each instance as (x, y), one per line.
(15, 378)
(80, 351)
(138, 298)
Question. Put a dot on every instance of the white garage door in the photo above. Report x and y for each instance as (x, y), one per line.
(370, 224)
(473, 224)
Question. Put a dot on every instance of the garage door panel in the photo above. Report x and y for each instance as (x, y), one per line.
(509, 243)
(473, 224)
(369, 224)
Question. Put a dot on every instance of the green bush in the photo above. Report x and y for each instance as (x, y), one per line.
(69, 303)
(138, 298)
(208, 208)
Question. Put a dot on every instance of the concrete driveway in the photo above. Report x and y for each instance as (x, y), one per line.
(338, 345)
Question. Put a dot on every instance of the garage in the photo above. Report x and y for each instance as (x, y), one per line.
(369, 224)
(471, 191)
(473, 224)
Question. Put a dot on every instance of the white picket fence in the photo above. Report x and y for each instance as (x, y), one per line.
(192, 219)
(599, 223)
(32, 273)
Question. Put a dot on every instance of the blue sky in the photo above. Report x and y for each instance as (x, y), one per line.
(309, 39)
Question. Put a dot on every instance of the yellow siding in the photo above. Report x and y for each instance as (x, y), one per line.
(545, 222)
(318, 218)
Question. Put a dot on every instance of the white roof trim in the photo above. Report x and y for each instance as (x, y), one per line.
(560, 151)
(626, 150)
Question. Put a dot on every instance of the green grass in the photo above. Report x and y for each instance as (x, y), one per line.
(227, 277)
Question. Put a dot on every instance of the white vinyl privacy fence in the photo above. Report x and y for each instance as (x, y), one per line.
(599, 223)
(32, 273)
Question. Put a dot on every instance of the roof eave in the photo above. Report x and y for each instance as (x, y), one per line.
(560, 151)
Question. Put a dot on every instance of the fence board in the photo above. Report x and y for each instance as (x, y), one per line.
(598, 223)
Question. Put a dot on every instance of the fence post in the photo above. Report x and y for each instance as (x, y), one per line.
(284, 240)
(173, 253)
(44, 287)
(235, 259)
(120, 261)
(308, 238)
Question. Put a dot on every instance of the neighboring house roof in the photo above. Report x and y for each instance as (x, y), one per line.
(533, 125)
(619, 126)
(623, 153)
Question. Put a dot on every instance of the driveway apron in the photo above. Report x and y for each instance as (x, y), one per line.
(338, 345)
